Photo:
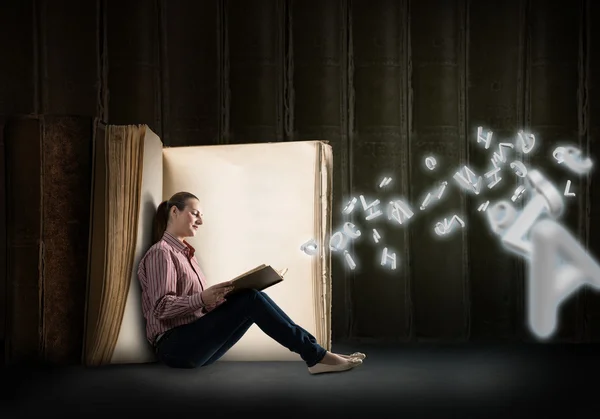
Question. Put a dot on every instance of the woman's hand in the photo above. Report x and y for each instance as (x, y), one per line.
(216, 294)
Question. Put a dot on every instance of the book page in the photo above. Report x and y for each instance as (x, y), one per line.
(132, 345)
(324, 227)
(258, 202)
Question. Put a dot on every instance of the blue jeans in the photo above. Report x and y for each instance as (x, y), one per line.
(205, 340)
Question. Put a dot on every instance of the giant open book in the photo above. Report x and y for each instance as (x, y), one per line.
(260, 202)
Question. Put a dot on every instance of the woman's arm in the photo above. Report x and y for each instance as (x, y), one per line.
(161, 288)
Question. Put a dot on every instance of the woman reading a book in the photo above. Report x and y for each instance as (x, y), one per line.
(192, 325)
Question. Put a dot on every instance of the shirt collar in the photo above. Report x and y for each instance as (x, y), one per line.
(184, 247)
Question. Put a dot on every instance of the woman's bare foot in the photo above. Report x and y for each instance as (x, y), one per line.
(334, 363)
(334, 359)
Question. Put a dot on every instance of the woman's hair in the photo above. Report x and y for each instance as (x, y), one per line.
(162, 213)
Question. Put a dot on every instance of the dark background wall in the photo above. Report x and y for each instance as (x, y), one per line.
(386, 82)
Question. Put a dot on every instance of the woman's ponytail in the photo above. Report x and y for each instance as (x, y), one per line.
(160, 221)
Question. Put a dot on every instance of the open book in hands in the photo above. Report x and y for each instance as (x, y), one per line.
(259, 278)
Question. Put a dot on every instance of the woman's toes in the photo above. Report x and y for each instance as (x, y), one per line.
(358, 355)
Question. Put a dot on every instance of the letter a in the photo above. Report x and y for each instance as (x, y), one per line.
(559, 265)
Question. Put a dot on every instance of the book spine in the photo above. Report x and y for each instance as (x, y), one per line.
(47, 205)
(23, 207)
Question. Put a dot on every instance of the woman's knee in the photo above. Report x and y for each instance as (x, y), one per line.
(248, 294)
(244, 298)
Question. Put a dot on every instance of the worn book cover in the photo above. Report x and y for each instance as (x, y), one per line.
(259, 278)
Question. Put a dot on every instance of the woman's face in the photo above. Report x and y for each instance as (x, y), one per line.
(186, 222)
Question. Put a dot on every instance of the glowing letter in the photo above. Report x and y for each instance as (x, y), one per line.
(445, 227)
(493, 173)
(519, 168)
(500, 158)
(558, 154)
(376, 236)
(559, 265)
(471, 182)
(574, 161)
(350, 206)
(399, 211)
(374, 212)
(527, 141)
(386, 181)
(440, 192)
(442, 189)
(481, 139)
(567, 192)
(338, 241)
(349, 260)
(571, 156)
(483, 206)
(430, 162)
(385, 256)
(425, 202)
(518, 192)
(310, 247)
(351, 231)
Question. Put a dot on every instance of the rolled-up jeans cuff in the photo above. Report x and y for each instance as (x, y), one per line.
(318, 358)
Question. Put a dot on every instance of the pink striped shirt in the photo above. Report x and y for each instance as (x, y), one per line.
(171, 282)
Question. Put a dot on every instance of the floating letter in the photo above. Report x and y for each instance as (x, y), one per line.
(445, 226)
(571, 156)
(350, 206)
(310, 247)
(338, 241)
(386, 181)
(428, 198)
(558, 154)
(501, 157)
(442, 189)
(399, 211)
(349, 260)
(351, 231)
(483, 206)
(574, 161)
(559, 266)
(430, 162)
(518, 192)
(373, 211)
(519, 168)
(493, 173)
(385, 257)
(425, 202)
(567, 189)
(470, 182)
(481, 139)
(527, 141)
(376, 236)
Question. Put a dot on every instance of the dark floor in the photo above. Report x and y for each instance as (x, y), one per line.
(445, 381)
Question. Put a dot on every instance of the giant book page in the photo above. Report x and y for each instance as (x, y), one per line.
(261, 202)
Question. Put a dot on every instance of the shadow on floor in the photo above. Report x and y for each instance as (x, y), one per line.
(466, 380)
